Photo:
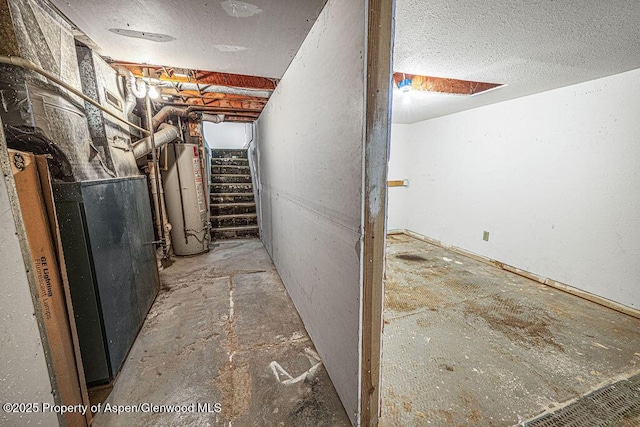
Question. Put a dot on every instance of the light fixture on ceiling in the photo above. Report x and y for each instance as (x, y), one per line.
(153, 92)
(405, 85)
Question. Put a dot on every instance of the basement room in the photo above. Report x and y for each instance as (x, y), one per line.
(512, 277)
(319, 213)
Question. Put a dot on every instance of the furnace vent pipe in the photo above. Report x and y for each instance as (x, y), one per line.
(167, 111)
(131, 90)
(213, 118)
(229, 90)
(165, 135)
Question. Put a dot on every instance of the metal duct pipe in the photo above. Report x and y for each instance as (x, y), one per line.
(229, 90)
(131, 89)
(165, 135)
(213, 118)
(167, 111)
(23, 63)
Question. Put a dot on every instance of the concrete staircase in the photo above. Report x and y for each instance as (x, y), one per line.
(233, 207)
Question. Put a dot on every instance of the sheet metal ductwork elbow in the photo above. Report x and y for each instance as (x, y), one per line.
(166, 134)
(169, 110)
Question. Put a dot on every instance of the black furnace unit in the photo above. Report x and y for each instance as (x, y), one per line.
(107, 237)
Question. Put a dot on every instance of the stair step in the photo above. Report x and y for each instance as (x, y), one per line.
(238, 228)
(228, 169)
(226, 205)
(235, 232)
(222, 178)
(229, 153)
(233, 208)
(231, 187)
(229, 159)
(231, 197)
(226, 161)
(218, 221)
(218, 217)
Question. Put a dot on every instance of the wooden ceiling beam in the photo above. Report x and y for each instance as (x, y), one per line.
(238, 119)
(201, 77)
(221, 103)
(246, 101)
(444, 85)
(214, 96)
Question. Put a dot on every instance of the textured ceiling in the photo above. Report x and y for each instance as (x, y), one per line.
(531, 46)
(257, 37)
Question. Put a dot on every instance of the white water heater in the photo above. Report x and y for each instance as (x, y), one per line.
(186, 193)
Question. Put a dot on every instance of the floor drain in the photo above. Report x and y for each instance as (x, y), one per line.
(614, 405)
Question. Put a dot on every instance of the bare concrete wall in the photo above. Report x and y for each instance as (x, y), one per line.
(23, 370)
(309, 155)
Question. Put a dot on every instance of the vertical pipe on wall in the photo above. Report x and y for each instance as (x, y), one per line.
(184, 218)
(156, 180)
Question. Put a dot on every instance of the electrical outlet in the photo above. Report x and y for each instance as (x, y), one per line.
(485, 236)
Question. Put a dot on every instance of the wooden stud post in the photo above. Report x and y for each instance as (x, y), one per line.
(377, 129)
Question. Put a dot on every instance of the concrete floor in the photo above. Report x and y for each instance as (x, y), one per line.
(221, 326)
(467, 343)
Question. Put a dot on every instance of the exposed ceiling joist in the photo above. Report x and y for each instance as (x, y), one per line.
(200, 77)
(221, 99)
(239, 119)
(529, 46)
(220, 103)
(238, 97)
(444, 85)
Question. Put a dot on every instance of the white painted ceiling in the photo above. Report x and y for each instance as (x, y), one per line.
(256, 37)
(530, 45)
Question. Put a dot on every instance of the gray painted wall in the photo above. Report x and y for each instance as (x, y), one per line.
(309, 156)
(24, 376)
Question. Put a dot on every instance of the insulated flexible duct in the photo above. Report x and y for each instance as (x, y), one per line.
(131, 92)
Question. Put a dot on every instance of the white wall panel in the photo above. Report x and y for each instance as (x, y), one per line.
(553, 177)
(309, 157)
(398, 204)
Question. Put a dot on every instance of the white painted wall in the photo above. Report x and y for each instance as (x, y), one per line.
(554, 177)
(24, 376)
(227, 134)
(398, 170)
(309, 155)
